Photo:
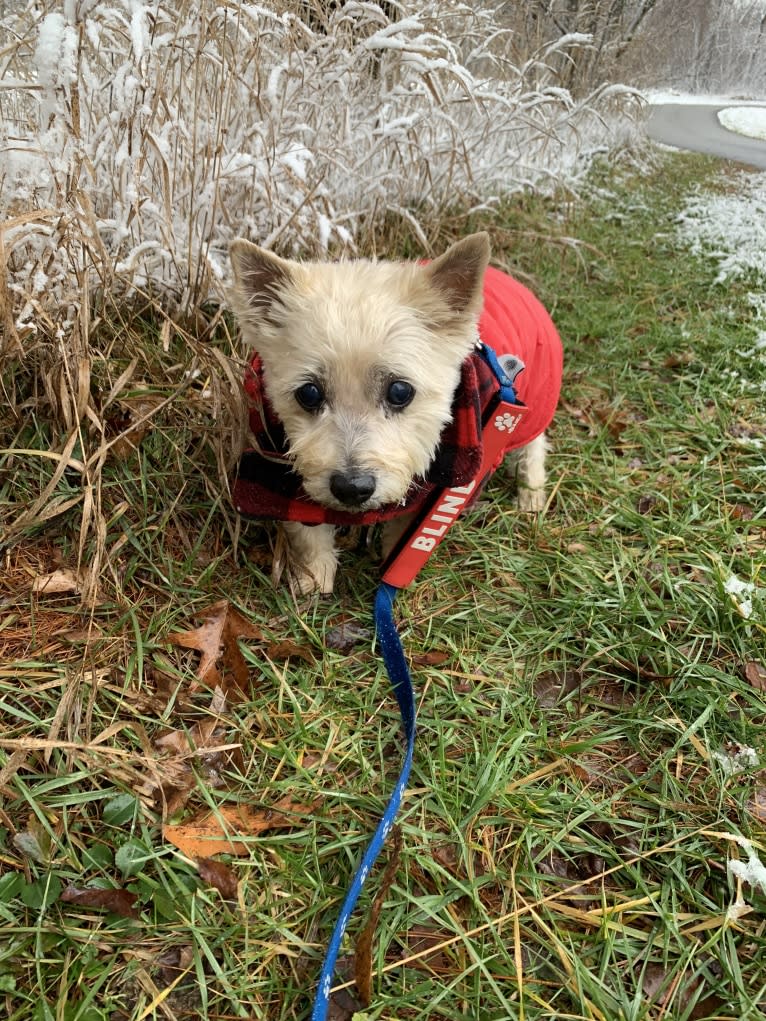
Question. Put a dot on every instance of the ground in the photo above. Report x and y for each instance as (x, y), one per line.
(590, 689)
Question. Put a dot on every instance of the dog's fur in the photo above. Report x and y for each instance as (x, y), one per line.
(352, 329)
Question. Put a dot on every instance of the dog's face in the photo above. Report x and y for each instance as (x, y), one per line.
(360, 361)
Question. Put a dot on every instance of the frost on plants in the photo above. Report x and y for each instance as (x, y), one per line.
(139, 139)
(753, 871)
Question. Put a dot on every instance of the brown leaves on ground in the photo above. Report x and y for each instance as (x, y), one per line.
(121, 902)
(224, 831)
(755, 675)
(222, 664)
(57, 582)
(202, 749)
(281, 651)
(216, 874)
(129, 421)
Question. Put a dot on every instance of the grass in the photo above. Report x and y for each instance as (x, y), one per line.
(567, 827)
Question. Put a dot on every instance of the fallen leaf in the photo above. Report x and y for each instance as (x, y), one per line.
(662, 987)
(62, 580)
(216, 874)
(757, 804)
(33, 843)
(220, 832)
(755, 673)
(430, 944)
(675, 360)
(280, 651)
(433, 658)
(346, 635)
(343, 1006)
(615, 421)
(120, 901)
(551, 686)
(741, 512)
(646, 504)
(176, 961)
(201, 749)
(129, 423)
(216, 639)
(363, 958)
(205, 734)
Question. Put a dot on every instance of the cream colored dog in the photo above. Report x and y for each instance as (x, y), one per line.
(360, 363)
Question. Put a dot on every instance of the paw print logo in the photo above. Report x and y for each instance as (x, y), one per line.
(506, 422)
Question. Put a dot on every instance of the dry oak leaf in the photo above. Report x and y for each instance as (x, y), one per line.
(755, 674)
(174, 779)
(279, 651)
(62, 580)
(216, 874)
(216, 639)
(122, 902)
(220, 832)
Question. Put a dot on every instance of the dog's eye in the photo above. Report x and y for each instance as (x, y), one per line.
(310, 396)
(400, 393)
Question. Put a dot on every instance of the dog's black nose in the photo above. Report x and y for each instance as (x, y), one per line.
(352, 489)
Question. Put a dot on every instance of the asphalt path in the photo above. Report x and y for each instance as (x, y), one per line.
(696, 127)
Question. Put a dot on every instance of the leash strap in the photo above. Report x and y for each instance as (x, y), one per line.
(399, 675)
(502, 415)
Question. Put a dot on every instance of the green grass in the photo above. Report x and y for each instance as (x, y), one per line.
(566, 829)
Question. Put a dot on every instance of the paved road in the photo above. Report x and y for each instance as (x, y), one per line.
(696, 127)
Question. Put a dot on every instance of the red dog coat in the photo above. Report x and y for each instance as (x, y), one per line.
(512, 322)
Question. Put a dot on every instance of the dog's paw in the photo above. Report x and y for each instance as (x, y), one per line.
(318, 576)
(530, 501)
(308, 555)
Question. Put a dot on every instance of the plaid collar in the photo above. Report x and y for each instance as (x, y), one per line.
(267, 486)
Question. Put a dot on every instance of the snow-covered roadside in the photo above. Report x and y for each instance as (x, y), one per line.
(744, 120)
(742, 116)
(656, 96)
(731, 229)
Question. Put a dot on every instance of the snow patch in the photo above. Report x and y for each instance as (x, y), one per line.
(744, 120)
(753, 871)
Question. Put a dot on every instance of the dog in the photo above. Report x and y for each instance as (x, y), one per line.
(359, 380)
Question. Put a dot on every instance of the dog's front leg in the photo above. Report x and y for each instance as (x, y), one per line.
(528, 465)
(312, 559)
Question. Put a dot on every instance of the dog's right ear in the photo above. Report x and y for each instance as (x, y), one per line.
(259, 275)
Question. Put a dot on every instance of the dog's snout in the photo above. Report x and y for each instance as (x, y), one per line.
(352, 488)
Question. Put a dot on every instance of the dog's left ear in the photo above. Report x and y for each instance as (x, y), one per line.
(458, 274)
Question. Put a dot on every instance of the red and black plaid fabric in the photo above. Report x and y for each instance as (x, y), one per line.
(513, 322)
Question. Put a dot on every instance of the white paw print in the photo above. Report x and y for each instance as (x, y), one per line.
(506, 422)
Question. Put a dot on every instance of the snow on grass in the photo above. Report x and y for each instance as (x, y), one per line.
(737, 760)
(744, 120)
(658, 97)
(753, 871)
(730, 227)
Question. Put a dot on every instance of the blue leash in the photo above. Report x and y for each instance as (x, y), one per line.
(495, 438)
(399, 675)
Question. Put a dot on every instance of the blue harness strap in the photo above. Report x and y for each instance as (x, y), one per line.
(399, 675)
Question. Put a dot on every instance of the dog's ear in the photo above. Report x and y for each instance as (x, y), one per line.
(458, 274)
(259, 276)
